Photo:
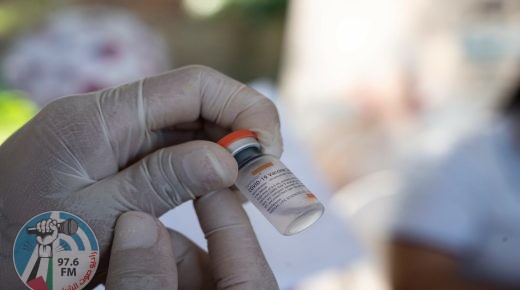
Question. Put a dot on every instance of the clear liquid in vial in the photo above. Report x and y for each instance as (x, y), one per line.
(279, 195)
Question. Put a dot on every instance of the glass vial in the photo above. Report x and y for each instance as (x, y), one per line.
(270, 186)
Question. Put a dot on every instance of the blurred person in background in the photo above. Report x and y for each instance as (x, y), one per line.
(458, 227)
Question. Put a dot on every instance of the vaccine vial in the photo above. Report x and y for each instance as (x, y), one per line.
(270, 186)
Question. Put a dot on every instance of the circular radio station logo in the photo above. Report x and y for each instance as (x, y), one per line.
(56, 250)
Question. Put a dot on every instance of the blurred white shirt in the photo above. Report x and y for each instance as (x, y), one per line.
(469, 205)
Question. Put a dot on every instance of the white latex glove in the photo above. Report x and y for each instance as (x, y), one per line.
(126, 149)
(145, 255)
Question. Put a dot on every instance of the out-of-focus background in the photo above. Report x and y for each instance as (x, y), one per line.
(365, 88)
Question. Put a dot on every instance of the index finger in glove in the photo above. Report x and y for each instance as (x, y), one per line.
(186, 95)
(236, 258)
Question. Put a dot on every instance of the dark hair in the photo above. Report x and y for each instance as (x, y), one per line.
(512, 103)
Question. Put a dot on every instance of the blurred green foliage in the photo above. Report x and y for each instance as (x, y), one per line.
(259, 9)
(15, 111)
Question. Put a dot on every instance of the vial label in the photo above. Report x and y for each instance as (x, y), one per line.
(273, 184)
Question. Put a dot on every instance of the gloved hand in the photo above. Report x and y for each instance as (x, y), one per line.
(127, 149)
(145, 255)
